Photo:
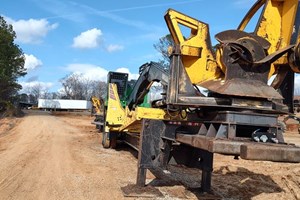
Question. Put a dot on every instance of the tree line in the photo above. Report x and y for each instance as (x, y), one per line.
(74, 87)
(11, 65)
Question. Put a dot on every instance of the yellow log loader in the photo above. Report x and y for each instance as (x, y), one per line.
(238, 115)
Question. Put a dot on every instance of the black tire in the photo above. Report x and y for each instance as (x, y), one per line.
(113, 140)
(93, 111)
(105, 140)
(105, 135)
(109, 140)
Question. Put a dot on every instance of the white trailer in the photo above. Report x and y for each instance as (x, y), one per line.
(64, 104)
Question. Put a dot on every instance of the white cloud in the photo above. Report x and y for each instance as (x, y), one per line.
(126, 70)
(114, 47)
(31, 62)
(43, 85)
(94, 72)
(89, 71)
(88, 39)
(32, 78)
(32, 30)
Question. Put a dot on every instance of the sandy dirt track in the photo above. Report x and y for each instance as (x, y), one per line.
(60, 157)
(45, 157)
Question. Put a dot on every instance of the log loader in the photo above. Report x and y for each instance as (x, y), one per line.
(238, 115)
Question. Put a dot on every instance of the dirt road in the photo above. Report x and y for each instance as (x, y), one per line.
(44, 157)
(60, 157)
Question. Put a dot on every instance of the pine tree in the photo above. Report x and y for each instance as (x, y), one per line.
(11, 64)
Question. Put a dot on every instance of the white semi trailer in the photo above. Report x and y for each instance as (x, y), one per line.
(64, 104)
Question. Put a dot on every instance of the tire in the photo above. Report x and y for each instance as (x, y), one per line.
(113, 140)
(105, 140)
(109, 140)
(105, 135)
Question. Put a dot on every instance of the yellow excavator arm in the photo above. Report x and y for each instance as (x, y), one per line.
(277, 25)
(196, 50)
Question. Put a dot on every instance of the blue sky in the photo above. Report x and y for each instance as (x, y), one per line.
(93, 37)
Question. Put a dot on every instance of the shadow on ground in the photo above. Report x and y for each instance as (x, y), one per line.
(226, 184)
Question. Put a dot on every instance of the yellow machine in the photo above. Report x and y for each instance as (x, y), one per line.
(98, 111)
(96, 103)
(239, 114)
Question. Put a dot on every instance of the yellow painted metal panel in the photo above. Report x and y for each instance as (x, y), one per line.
(115, 112)
(151, 113)
(276, 26)
(197, 55)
